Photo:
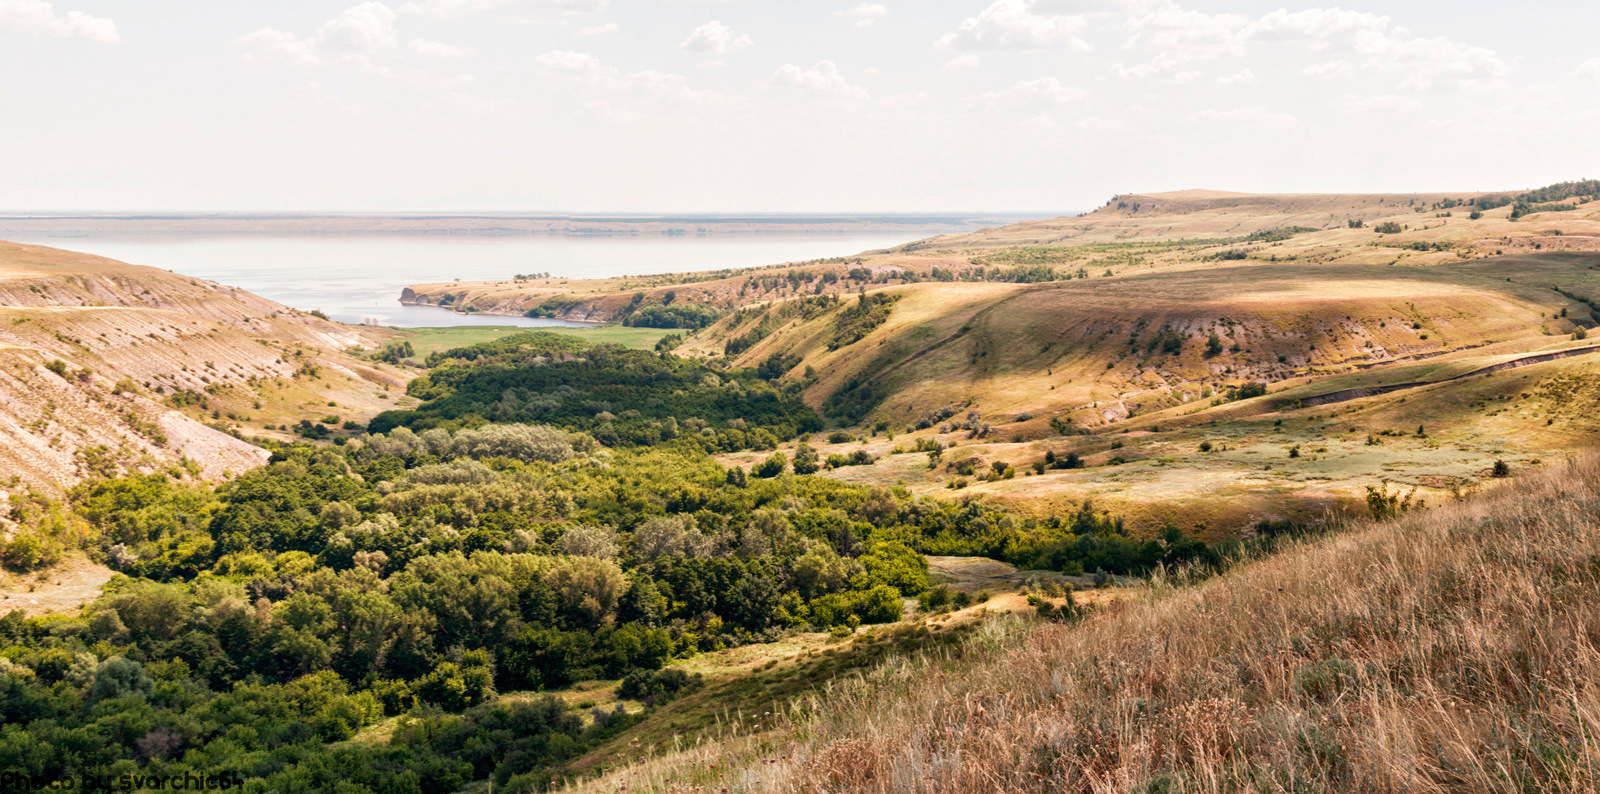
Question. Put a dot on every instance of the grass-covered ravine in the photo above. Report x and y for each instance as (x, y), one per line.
(386, 613)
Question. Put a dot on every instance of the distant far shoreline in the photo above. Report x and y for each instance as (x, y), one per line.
(493, 224)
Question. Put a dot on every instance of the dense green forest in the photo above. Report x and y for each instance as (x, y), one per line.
(619, 396)
(257, 627)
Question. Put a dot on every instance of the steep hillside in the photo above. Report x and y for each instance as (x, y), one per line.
(106, 366)
(1452, 650)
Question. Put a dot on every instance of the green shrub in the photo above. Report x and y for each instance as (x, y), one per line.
(682, 315)
(1250, 390)
(771, 467)
(856, 321)
(806, 460)
(655, 687)
(1326, 680)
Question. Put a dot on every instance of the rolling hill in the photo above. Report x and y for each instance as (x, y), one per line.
(1127, 335)
(108, 367)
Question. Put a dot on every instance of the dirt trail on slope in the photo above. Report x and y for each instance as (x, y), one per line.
(1344, 395)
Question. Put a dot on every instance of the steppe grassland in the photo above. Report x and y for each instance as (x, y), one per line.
(1451, 650)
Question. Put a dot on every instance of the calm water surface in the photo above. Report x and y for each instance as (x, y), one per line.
(358, 278)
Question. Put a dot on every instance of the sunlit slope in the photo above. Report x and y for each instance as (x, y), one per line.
(1451, 650)
(1481, 356)
(97, 356)
(1217, 470)
(1102, 350)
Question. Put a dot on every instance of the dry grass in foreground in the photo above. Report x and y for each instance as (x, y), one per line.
(1456, 650)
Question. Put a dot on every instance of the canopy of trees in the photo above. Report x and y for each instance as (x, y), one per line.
(461, 551)
(621, 397)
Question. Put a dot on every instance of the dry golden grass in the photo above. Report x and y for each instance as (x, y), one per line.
(1453, 650)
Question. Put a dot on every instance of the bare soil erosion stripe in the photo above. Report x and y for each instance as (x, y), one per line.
(1369, 391)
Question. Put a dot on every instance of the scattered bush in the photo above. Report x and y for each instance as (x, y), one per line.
(655, 687)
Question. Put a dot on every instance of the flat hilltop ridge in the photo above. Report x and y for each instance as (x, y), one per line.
(1437, 228)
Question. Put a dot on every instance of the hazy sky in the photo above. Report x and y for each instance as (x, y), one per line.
(707, 105)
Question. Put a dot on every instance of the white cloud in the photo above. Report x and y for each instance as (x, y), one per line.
(1355, 39)
(715, 41)
(599, 30)
(451, 8)
(597, 78)
(271, 44)
(1100, 7)
(1187, 35)
(1028, 93)
(961, 63)
(1163, 67)
(1246, 76)
(1427, 63)
(1424, 62)
(824, 79)
(1317, 25)
(446, 9)
(435, 49)
(1013, 25)
(360, 31)
(1588, 70)
(39, 18)
(865, 14)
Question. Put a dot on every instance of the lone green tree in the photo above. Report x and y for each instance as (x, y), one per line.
(805, 459)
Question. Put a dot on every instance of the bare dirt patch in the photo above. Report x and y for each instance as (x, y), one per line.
(62, 589)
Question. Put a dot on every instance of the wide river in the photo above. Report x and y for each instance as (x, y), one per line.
(358, 278)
